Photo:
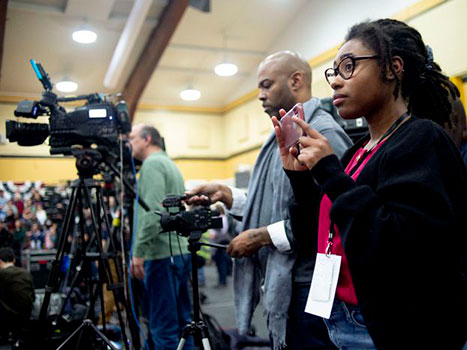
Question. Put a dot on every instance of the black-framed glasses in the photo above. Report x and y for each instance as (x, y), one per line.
(345, 68)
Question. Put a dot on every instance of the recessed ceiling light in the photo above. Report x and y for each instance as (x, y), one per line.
(84, 36)
(66, 86)
(190, 94)
(226, 69)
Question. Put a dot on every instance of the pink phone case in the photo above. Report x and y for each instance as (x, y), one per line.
(290, 130)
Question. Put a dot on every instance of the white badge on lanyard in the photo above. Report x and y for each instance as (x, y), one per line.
(324, 282)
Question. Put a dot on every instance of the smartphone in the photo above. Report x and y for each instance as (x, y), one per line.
(290, 130)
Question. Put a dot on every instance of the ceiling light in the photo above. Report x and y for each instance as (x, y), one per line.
(84, 36)
(226, 69)
(190, 94)
(66, 86)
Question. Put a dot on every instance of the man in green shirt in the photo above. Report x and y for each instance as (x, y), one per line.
(165, 274)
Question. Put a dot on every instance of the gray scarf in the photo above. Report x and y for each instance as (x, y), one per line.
(269, 196)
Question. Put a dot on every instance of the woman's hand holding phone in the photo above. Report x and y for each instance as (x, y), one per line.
(288, 155)
(313, 146)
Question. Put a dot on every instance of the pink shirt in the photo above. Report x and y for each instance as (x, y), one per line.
(345, 288)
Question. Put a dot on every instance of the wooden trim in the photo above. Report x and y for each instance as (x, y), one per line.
(3, 19)
(152, 52)
(417, 9)
(241, 100)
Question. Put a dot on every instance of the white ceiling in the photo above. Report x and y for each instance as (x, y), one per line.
(41, 29)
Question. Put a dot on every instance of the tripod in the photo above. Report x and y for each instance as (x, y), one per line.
(197, 328)
(90, 254)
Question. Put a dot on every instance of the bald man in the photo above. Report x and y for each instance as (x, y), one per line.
(271, 254)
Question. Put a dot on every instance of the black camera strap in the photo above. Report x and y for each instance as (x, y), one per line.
(361, 158)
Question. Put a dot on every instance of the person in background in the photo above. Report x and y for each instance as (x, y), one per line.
(18, 202)
(16, 292)
(41, 214)
(36, 197)
(28, 218)
(50, 237)
(284, 79)
(36, 237)
(6, 238)
(394, 208)
(154, 261)
(11, 205)
(219, 255)
(19, 241)
(4, 197)
(2, 212)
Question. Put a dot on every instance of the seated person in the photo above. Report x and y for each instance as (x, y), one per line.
(16, 292)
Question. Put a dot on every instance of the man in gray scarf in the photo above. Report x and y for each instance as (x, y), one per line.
(270, 254)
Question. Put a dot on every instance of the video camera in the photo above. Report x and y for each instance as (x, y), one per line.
(98, 122)
(185, 222)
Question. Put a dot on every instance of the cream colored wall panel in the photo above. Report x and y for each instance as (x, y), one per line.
(241, 130)
(199, 136)
(444, 28)
(188, 134)
(259, 127)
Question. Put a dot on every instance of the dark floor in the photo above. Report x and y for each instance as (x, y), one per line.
(220, 303)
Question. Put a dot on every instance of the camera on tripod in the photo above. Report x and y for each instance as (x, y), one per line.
(185, 222)
(99, 121)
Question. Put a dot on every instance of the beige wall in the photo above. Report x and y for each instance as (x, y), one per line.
(187, 134)
(443, 27)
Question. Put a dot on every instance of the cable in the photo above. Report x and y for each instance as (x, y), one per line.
(135, 221)
(122, 220)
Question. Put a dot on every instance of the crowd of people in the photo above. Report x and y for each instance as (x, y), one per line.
(24, 221)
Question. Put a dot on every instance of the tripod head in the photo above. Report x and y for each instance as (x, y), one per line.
(87, 161)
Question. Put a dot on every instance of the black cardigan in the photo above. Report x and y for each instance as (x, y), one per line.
(403, 224)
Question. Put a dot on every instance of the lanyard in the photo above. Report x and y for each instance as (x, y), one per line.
(366, 153)
(360, 160)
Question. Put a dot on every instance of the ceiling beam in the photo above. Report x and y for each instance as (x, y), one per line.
(3, 10)
(155, 47)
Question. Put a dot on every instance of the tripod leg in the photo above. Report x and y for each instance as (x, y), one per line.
(181, 344)
(102, 335)
(121, 270)
(71, 336)
(105, 263)
(206, 345)
(56, 265)
(204, 338)
(101, 296)
(74, 283)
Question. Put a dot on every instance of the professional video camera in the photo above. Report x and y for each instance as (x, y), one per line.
(99, 121)
(186, 222)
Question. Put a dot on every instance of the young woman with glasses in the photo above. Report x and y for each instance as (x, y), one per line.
(394, 209)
